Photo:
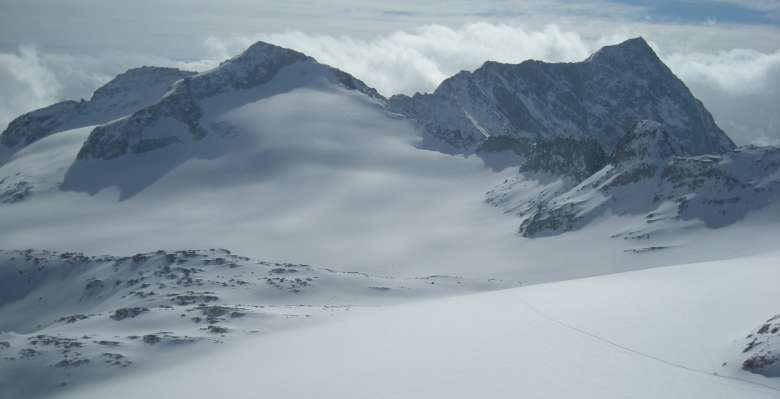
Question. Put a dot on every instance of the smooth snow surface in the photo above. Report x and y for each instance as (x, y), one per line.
(659, 333)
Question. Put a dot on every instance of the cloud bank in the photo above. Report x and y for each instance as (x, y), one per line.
(740, 88)
(738, 85)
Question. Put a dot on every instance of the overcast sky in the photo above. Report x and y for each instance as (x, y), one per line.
(727, 52)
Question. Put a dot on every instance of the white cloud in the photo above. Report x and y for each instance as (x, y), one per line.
(738, 72)
(739, 87)
(26, 82)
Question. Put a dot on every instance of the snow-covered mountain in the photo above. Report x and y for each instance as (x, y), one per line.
(179, 115)
(135, 89)
(275, 125)
(599, 98)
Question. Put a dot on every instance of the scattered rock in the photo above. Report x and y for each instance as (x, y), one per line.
(71, 363)
(125, 313)
(151, 339)
(216, 329)
(27, 353)
(72, 318)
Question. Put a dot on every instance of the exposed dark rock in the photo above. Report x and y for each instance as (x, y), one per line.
(599, 98)
(125, 313)
(151, 339)
(71, 363)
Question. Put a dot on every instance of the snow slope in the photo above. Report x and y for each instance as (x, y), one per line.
(67, 318)
(41, 166)
(672, 332)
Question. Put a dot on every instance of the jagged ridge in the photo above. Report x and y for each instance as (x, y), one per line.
(599, 98)
(128, 92)
(651, 173)
(255, 67)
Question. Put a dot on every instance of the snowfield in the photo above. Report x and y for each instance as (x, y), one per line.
(673, 332)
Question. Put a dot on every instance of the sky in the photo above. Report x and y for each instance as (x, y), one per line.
(727, 52)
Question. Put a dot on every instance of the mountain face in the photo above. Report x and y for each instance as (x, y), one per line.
(599, 98)
(256, 67)
(128, 92)
(569, 157)
(652, 173)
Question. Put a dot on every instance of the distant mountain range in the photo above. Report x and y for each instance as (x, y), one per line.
(605, 129)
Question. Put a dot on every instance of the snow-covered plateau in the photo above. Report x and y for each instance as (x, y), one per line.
(275, 227)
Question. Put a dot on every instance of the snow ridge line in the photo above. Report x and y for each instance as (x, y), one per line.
(640, 353)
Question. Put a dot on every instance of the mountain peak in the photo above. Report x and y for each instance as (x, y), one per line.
(598, 98)
(638, 42)
(260, 71)
(254, 66)
(629, 51)
(262, 52)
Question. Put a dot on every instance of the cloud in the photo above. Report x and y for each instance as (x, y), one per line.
(26, 82)
(739, 87)
(31, 78)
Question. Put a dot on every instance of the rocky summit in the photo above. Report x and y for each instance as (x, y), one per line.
(255, 67)
(599, 98)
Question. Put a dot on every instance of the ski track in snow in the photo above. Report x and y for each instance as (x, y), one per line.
(648, 356)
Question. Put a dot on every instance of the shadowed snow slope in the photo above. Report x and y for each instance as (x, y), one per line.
(661, 333)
